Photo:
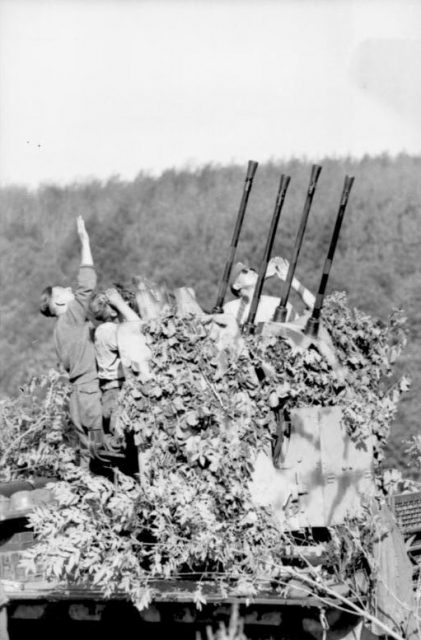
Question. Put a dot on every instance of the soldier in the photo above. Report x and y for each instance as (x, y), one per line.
(243, 283)
(75, 349)
(118, 342)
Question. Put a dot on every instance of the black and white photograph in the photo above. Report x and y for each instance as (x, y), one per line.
(210, 324)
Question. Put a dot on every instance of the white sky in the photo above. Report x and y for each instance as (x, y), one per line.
(106, 87)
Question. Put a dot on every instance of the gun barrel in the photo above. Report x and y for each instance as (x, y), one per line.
(312, 326)
(281, 310)
(248, 183)
(280, 198)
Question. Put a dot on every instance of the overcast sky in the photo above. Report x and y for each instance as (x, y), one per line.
(103, 87)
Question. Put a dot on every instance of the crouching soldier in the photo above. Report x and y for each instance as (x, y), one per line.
(75, 349)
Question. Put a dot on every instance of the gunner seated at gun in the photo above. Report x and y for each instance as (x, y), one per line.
(243, 284)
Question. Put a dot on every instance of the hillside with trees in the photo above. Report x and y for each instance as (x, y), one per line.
(175, 229)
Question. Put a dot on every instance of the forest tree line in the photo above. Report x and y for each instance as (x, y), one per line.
(176, 228)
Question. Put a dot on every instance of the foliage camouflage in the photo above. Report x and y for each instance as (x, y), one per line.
(200, 422)
(34, 429)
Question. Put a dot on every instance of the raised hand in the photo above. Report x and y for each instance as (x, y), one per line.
(86, 259)
(117, 301)
(114, 297)
(277, 266)
(81, 229)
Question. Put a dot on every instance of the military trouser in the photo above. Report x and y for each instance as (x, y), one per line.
(85, 414)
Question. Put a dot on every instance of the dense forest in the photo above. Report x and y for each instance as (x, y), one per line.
(176, 228)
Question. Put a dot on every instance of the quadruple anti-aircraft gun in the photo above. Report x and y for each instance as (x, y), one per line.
(317, 476)
(280, 315)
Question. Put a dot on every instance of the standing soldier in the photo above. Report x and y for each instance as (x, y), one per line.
(75, 349)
